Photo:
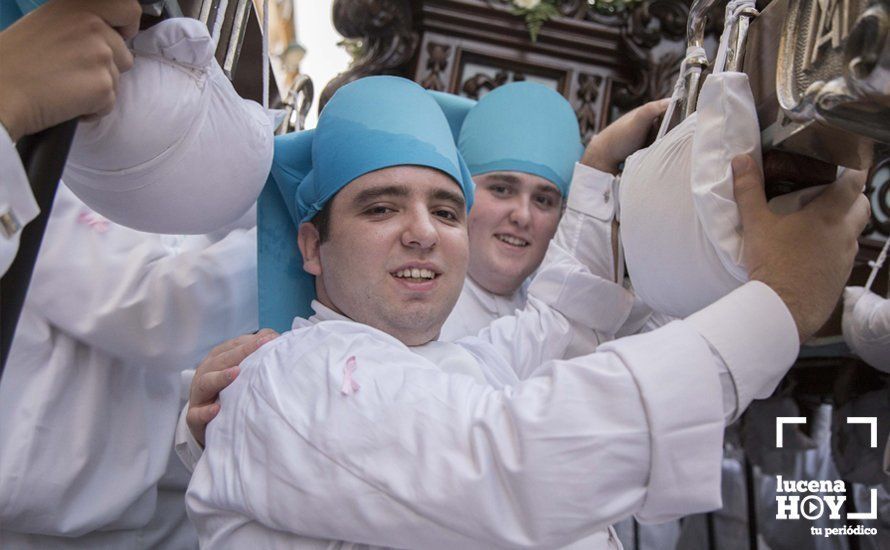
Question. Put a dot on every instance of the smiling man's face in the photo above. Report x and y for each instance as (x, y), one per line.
(514, 216)
(396, 254)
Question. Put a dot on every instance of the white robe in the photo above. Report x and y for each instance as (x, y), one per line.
(92, 389)
(541, 453)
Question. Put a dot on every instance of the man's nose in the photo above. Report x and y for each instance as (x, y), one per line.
(520, 213)
(420, 231)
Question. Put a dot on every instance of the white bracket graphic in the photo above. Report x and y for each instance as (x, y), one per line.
(781, 421)
(873, 420)
(867, 515)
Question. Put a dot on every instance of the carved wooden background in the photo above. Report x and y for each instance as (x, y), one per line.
(603, 64)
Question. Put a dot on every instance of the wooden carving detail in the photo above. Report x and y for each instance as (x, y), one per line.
(385, 30)
(650, 22)
(473, 86)
(435, 66)
(644, 26)
(647, 25)
(653, 79)
(647, 55)
(587, 94)
(647, 22)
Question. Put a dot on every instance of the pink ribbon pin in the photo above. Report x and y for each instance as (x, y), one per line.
(350, 386)
(94, 221)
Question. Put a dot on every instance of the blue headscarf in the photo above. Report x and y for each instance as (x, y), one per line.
(522, 127)
(12, 10)
(370, 124)
(455, 108)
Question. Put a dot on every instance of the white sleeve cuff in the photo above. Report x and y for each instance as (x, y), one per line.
(585, 230)
(592, 192)
(681, 395)
(186, 446)
(16, 197)
(753, 332)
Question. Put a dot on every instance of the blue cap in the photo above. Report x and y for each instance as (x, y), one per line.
(523, 127)
(12, 10)
(370, 124)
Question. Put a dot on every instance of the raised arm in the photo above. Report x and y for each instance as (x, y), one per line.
(128, 294)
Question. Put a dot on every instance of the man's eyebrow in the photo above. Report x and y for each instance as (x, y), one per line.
(369, 195)
(503, 178)
(450, 196)
(548, 189)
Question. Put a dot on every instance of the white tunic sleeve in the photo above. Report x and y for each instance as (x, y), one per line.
(585, 229)
(398, 453)
(569, 312)
(131, 297)
(17, 204)
(866, 326)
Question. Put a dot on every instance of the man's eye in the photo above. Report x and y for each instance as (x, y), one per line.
(378, 210)
(446, 214)
(499, 189)
(545, 201)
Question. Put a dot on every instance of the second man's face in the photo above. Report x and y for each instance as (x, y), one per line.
(396, 256)
(514, 216)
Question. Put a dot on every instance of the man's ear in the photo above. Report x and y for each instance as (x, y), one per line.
(309, 242)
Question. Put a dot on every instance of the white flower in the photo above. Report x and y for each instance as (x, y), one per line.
(527, 4)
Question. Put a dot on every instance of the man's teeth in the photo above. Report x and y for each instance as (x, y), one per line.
(515, 241)
(415, 273)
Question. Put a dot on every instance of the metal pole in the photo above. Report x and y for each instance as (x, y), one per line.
(752, 503)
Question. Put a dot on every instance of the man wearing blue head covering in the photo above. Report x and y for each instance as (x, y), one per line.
(522, 145)
(358, 426)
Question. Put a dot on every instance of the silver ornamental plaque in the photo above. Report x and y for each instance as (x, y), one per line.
(832, 78)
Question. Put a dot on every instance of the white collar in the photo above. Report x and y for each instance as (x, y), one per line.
(324, 313)
(495, 304)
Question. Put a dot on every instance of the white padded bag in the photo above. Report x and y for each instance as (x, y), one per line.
(181, 152)
(680, 226)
